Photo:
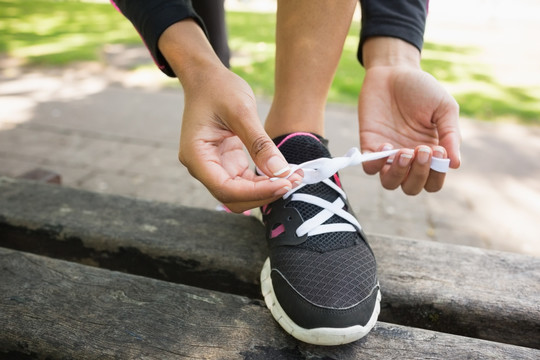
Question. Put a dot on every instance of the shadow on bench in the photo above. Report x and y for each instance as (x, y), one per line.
(452, 289)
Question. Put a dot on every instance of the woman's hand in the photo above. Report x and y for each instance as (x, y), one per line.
(401, 106)
(220, 118)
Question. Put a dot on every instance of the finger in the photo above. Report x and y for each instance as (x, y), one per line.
(239, 207)
(435, 180)
(447, 121)
(373, 167)
(296, 178)
(245, 123)
(419, 172)
(242, 203)
(396, 173)
(242, 190)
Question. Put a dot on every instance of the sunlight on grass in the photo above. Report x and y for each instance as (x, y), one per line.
(59, 32)
(255, 63)
(475, 88)
(460, 69)
(64, 44)
(252, 43)
(48, 32)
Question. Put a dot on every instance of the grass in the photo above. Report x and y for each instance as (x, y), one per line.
(475, 87)
(57, 33)
(60, 32)
(458, 68)
(252, 40)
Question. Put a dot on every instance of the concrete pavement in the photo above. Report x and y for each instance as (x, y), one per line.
(105, 128)
(112, 131)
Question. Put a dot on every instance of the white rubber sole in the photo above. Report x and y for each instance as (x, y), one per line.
(317, 336)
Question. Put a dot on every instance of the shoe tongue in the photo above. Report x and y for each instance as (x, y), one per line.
(301, 147)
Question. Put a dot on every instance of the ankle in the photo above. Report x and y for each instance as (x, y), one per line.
(286, 122)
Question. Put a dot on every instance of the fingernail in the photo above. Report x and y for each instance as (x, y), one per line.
(295, 178)
(282, 191)
(405, 159)
(423, 154)
(438, 154)
(277, 165)
(387, 147)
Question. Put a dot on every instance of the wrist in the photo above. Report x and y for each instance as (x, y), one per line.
(189, 53)
(389, 51)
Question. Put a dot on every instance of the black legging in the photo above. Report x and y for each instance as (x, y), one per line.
(212, 13)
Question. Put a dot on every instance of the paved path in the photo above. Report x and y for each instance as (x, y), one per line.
(110, 130)
(103, 134)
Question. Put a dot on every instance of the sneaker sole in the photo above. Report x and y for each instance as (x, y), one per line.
(316, 336)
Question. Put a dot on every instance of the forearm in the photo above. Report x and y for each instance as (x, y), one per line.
(189, 53)
(152, 18)
(389, 51)
(399, 19)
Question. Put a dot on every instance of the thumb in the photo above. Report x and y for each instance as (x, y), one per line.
(267, 156)
(261, 148)
(449, 134)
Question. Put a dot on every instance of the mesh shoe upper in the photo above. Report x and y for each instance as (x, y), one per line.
(331, 270)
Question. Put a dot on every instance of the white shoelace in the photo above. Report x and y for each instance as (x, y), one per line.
(320, 170)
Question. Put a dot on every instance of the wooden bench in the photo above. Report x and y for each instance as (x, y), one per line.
(189, 287)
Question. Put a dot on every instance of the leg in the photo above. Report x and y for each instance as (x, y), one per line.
(309, 39)
(320, 280)
(212, 13)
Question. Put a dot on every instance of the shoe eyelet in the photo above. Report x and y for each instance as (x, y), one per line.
(289, 218)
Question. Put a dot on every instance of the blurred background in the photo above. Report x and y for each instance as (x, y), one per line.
(80, 96)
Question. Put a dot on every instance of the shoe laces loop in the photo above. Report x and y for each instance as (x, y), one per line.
(320, 170)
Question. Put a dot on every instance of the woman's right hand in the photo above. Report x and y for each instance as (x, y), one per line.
(220, 118)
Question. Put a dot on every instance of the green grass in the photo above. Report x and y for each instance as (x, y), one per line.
(57, 33)
(60, 32)
(252, 39)
(458, 68)
(475, 88)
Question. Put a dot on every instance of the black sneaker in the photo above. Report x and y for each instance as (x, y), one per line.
(320, 280)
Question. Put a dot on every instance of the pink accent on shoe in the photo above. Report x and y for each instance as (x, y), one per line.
(297, 134)
(336, 179)
(264, 208)
(277, 231)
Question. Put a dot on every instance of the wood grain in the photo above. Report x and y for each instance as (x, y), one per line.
(453, 289)
(62, 310)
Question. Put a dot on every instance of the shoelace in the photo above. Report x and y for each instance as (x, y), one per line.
(320, 170)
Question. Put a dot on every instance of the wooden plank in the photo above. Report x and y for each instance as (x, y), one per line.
(174, 243)
(56, 309)
(461, 290)
(455, 289)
